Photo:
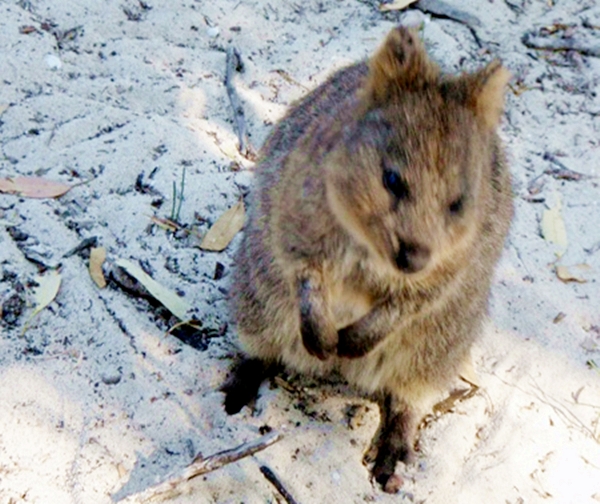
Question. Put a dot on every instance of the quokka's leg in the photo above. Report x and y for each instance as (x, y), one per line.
(371, 454)
(243, 382)
(395, 439)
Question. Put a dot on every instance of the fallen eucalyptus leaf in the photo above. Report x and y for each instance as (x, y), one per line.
(564, 173)
(97, 258)
(44, 293)
(27, 29)
(173, 302)
(572, 273)
(468, 374)
(33, 187)
(395, 5)
(553, 226)
(166, 224)
(227, 226)
(453, 399)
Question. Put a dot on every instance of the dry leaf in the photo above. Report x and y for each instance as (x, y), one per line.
(563, 173)
(44, 293)
(228, 149)
(166, 224)
(468, 373)
(553, 226)
(173, 302)
(559, 317)
(33, 187)
(572, 273)
(121, 470)
(97, 258)
(27, 29)
(395, 5)
(455, 397)
(227, 226)
(289, 79)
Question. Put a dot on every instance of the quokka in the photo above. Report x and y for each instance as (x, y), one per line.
(380, 208)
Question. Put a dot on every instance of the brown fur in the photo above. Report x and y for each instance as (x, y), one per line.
(381, 205)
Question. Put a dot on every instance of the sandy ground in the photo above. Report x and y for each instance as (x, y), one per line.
(97, 403)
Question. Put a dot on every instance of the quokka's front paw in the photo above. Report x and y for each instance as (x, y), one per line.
(350, 344)
(319, 336)
(317, 343)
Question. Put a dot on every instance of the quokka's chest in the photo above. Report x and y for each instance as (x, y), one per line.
(354, 288)
(349, 303)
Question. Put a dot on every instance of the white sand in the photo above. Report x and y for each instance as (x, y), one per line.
(124, 97)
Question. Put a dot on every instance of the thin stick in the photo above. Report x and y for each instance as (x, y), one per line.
(174, 201)
(200, 466)
(585, 45)
(274, 480)
(181, 195)
(442, 10)
(233, 63)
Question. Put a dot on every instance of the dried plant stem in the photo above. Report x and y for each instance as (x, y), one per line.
(233, 63)
(274, 480)
(199, 466)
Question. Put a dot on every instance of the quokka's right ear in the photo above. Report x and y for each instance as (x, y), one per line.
(485, 92)
(400, 64)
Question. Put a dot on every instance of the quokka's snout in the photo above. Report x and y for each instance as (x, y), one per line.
(412, 257)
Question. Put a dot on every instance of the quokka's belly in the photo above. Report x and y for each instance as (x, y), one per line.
(388, 368)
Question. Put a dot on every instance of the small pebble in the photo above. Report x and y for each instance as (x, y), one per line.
(53, 62)
(111, 377)
(213, 31)
(414, 18)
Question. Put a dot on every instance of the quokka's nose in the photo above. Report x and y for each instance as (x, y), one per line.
(412, 257)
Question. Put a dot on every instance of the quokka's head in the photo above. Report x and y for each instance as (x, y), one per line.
(410, 174)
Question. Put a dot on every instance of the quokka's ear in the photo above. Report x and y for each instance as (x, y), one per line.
(400, 64)
(485, 92)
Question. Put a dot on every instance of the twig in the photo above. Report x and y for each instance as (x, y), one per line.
(562, 172)
(563, 412)
(582, 44)
(274, 480)
(181, 196)
(87, 243)
(233, 63)
(200, 466)
(593, 249)
(178, 197)
(441, 10)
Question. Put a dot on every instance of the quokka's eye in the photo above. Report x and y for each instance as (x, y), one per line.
(394, 184)
(456, 207)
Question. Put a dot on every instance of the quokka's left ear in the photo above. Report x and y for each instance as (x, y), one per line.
(485, 90)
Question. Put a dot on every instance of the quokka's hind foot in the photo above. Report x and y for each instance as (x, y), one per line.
(393, 442)
(243, 382)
